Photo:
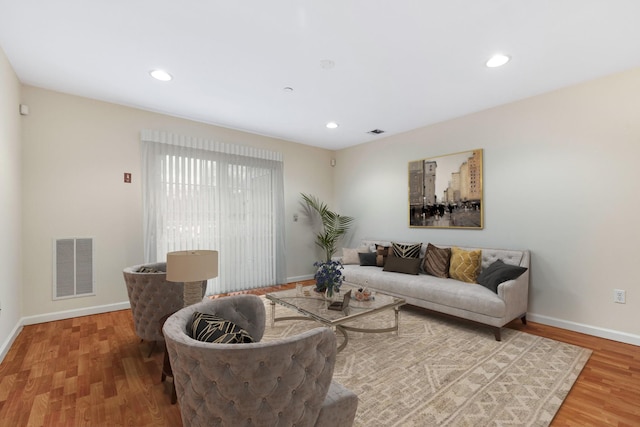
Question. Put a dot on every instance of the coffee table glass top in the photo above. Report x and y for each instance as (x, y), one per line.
(314, 305)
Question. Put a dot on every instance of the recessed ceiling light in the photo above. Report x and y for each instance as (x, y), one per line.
(332, 125)
(161, 75)
(498, 60)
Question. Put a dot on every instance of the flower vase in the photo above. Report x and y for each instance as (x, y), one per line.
(331, 294)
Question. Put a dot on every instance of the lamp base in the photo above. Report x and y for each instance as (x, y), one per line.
(192, 293)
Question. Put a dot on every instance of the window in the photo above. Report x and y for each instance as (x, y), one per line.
(206, 195)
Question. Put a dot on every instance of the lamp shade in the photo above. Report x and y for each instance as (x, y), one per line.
(192, 266)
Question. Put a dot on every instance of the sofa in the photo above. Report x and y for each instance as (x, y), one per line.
(492, 288)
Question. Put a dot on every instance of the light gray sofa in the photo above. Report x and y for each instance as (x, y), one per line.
(449, 296)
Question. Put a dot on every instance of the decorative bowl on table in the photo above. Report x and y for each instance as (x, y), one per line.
(363, 294)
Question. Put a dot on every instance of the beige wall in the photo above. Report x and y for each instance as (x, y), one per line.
(560, 178)
(76, 151)
(10, 246)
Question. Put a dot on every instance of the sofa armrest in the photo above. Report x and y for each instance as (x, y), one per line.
(515, 294)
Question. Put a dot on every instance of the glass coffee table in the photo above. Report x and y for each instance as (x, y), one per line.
(314, 306)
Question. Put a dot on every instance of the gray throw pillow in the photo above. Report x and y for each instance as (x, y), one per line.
(368, 259)
(499, 272)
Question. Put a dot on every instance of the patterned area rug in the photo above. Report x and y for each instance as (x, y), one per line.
(443, 372)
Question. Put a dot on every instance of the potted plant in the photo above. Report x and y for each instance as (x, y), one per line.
(334, 226)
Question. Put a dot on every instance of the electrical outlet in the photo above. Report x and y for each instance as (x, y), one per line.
(620, 296)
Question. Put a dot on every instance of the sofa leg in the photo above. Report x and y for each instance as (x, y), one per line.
(524, 319)
(496, 332)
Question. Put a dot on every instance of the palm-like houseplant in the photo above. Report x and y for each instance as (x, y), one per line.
(334, 227)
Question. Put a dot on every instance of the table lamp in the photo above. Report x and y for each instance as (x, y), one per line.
(192, 267)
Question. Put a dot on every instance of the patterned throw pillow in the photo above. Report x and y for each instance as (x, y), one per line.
(406, 250)
(382, 252)
(211, 328)
(465, 265)
(436, 261)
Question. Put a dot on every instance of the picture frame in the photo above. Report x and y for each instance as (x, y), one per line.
(446, 191)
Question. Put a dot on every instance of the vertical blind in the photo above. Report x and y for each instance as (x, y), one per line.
(202, 194)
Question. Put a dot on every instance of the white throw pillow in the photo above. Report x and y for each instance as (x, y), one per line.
(350, 255)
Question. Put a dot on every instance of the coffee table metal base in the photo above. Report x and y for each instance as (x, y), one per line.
(341, 328)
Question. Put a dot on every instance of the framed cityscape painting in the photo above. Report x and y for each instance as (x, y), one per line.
(446, 191)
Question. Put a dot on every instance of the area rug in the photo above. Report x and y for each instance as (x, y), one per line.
(443, 372)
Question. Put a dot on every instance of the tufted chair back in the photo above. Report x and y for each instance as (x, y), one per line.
(152, 299)
(276, 383)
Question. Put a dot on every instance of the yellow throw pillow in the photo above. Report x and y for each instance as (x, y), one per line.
(465, 265)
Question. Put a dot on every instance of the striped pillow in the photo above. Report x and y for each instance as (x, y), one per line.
(406, 250)
(211, 328)
(436, 261)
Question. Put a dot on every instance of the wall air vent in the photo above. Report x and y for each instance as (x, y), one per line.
(376, 132)
(73, 268)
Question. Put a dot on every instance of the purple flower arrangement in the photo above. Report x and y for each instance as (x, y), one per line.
(328, 276)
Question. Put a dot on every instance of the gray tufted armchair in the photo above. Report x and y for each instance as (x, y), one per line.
(285, 382)
(152, 299)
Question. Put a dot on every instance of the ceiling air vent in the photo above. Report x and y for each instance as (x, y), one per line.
(376, 132)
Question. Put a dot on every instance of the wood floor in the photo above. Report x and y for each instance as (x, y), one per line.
(94, 371)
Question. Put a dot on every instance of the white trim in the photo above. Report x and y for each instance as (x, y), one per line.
(545, 320)
(10, 339)
(299, 278)
(68, 314)
(595, 331)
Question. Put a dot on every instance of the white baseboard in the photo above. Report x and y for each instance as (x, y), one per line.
(68, 314)
(545, 320)
(9, 342)
(299, 278)
(595, 331)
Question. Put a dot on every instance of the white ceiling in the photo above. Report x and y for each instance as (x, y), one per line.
(399, 64)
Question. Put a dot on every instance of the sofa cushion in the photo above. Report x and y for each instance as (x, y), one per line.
(436, 261)
(465, 265)
(406, 250)
(402, 265)
(429, 291)
(382, 253)
(368, 259)
(350, 256)
(499, 272)
(211, 328)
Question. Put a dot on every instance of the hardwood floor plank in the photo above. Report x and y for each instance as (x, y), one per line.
(94, 371)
